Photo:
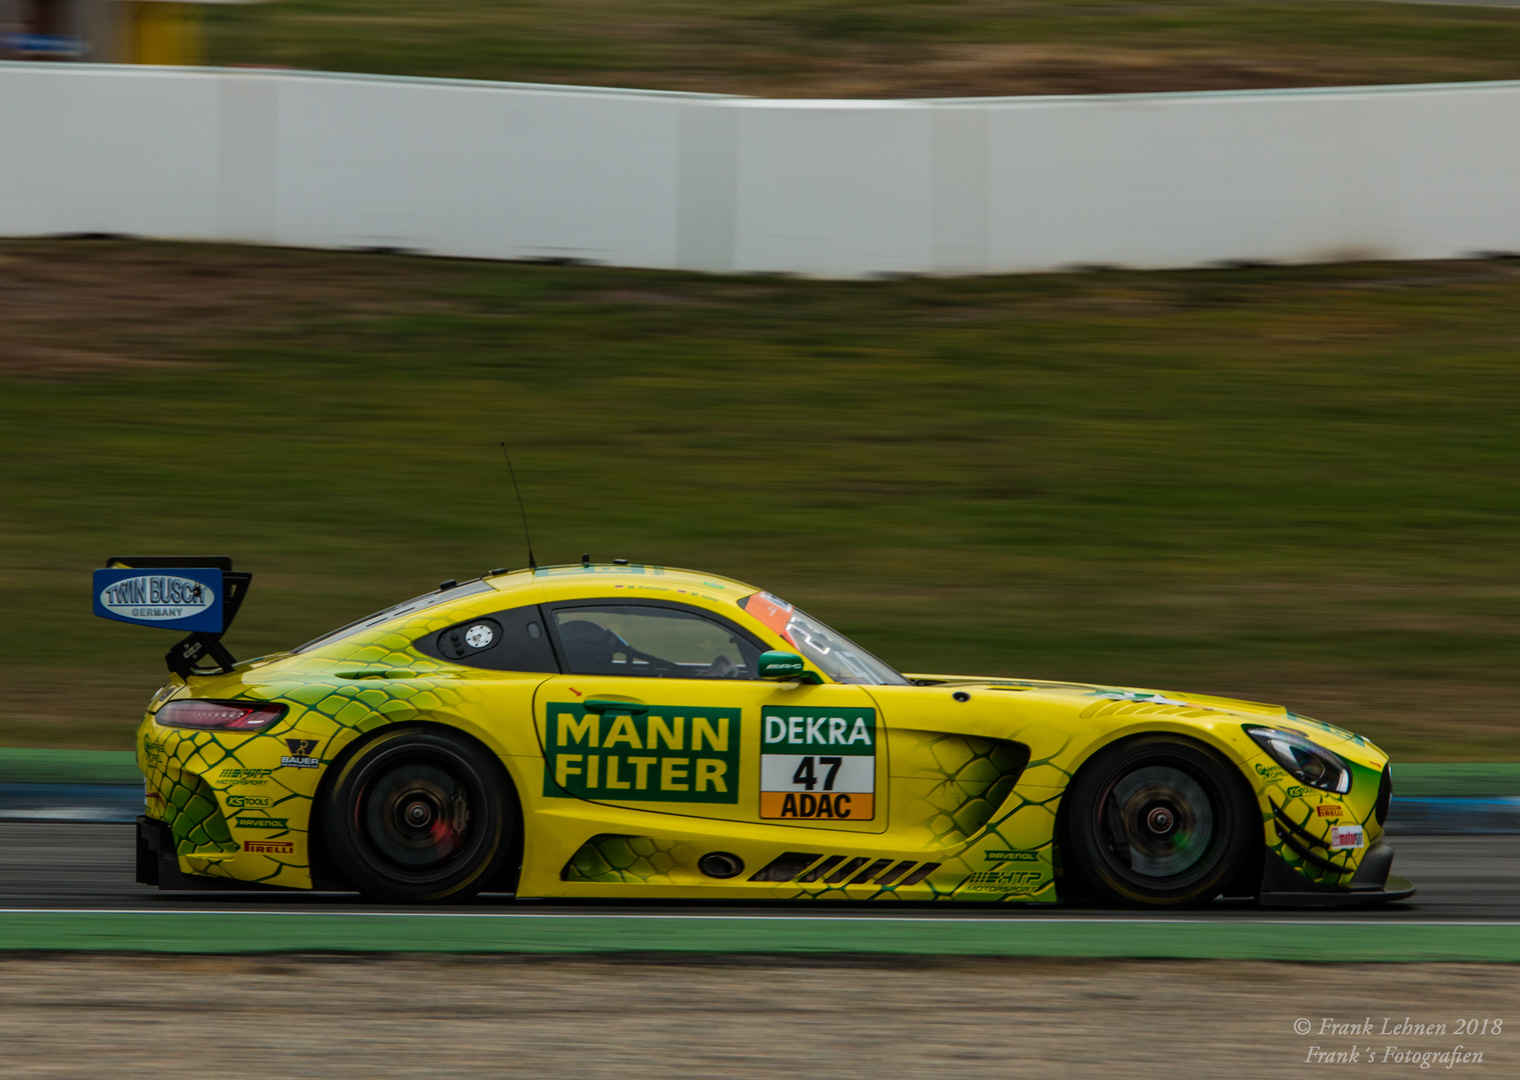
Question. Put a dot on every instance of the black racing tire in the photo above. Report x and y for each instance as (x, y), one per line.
(1159, 821)
(419, 815)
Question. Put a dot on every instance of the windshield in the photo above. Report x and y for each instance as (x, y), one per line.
(416, 603)
(840, 658)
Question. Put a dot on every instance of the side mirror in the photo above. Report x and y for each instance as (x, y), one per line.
(784, 667)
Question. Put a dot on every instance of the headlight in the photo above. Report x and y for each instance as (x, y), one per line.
(1304, 758)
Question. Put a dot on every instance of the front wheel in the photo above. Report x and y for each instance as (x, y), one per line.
(1159, 821)
(418, 815)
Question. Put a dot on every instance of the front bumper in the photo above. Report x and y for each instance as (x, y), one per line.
(1371, 884)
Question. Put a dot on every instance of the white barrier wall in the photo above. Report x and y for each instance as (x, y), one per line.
(828, 188)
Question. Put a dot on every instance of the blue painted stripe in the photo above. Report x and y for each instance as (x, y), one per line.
(1443, 816)
(95, 803)
(112, 803)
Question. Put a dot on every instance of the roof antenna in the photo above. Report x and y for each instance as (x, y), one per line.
(532, 565)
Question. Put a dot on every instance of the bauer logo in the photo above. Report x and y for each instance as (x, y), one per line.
(184, 599)
(300, 755)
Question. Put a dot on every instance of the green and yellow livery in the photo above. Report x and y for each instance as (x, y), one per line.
(635, 731)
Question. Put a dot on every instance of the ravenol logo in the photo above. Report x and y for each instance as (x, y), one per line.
(260, 822)
(1012, 856)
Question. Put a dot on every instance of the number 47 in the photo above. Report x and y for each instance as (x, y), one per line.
(805, 773)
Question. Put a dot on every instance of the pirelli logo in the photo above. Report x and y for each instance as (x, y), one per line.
(1329, 811)
(818, 765)
(270, 847)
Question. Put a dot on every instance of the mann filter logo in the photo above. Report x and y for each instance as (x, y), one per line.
(818, 764)
(270, 847)
(655, 753)
(188, 599)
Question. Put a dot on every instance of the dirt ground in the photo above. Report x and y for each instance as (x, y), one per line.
(170, 1017)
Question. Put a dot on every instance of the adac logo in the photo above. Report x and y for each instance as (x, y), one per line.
(157, 597)
(300, 754)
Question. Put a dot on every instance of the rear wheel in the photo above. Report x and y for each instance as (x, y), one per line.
(1159, 821)
(419, 815)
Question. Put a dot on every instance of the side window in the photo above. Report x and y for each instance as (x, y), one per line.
(653, 642)
(512, 640)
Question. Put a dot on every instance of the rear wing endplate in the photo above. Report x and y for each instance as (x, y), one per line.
(201, 594)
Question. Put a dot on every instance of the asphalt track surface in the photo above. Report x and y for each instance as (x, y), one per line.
(62, 867)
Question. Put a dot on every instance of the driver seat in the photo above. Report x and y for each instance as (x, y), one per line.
(590, 647)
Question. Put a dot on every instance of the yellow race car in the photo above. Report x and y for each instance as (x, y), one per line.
(602, 730)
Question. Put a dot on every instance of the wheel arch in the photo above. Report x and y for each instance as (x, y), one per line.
(1248, 881)
(324, 872)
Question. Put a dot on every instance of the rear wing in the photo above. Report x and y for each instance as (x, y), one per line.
(199, 594)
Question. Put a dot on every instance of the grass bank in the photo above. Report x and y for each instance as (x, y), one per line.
(884, 48)
(1296, 485)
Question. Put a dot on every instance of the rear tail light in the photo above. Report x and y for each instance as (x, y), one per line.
(222, 715)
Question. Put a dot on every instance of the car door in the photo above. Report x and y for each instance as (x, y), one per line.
(659, 709)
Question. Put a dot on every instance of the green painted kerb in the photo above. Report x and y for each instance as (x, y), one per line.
(26, 766)
(174, 932)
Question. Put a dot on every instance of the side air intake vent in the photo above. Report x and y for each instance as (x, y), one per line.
(841, 870)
